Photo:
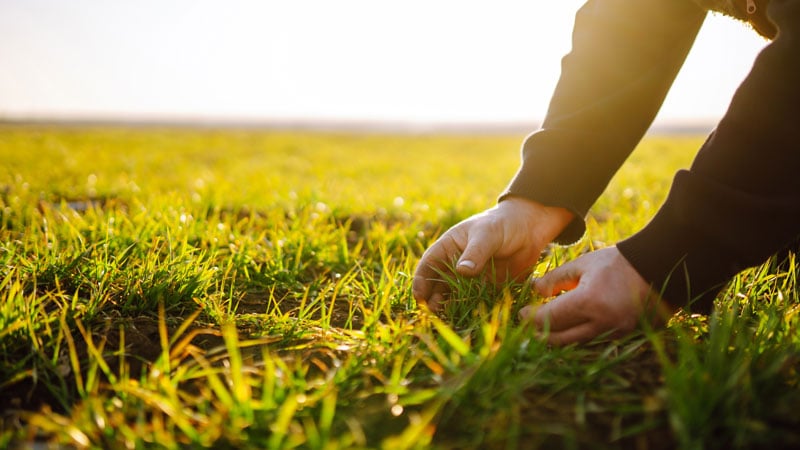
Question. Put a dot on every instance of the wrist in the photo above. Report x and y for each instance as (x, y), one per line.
(549, 221)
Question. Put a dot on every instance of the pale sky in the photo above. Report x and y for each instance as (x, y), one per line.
(410, 61)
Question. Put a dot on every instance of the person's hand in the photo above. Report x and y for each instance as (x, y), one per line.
(511, 235)
(604, 294)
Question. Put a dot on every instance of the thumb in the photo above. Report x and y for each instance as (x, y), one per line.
(481, 246)
(563, 278)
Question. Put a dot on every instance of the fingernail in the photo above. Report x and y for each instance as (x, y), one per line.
(467, 263)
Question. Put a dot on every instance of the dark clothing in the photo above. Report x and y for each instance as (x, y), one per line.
(740, 200)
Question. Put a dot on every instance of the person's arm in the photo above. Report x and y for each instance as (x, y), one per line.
(740, 200)
(625, 56)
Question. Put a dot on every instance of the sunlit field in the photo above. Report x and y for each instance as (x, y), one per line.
(252, 289)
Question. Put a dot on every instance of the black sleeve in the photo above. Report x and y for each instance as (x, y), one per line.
(740, 200)
(625, 56)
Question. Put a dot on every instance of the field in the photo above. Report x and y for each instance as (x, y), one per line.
(174, 288)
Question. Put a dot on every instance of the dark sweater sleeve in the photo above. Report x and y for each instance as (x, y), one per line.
(625, 55)
(740, 200)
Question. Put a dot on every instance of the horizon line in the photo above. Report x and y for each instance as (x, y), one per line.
(372, 126)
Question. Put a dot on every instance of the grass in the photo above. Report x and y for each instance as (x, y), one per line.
(250, 289)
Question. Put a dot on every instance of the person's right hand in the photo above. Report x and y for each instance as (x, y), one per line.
(511, 235)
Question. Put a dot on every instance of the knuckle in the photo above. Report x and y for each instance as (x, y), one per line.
(451, 245)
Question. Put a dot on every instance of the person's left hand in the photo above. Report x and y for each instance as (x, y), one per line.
(604, 293)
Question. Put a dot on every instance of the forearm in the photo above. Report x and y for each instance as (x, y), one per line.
(740, 201)
(624, 58)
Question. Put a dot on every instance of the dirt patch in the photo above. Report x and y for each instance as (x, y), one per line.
(342, 315)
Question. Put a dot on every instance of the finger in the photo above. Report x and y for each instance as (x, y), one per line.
(428, 271)
(421, 285)
(436, 260)
(562, 313)
(438, 296)
(582, 333)
(481, 246)
(563, 278)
